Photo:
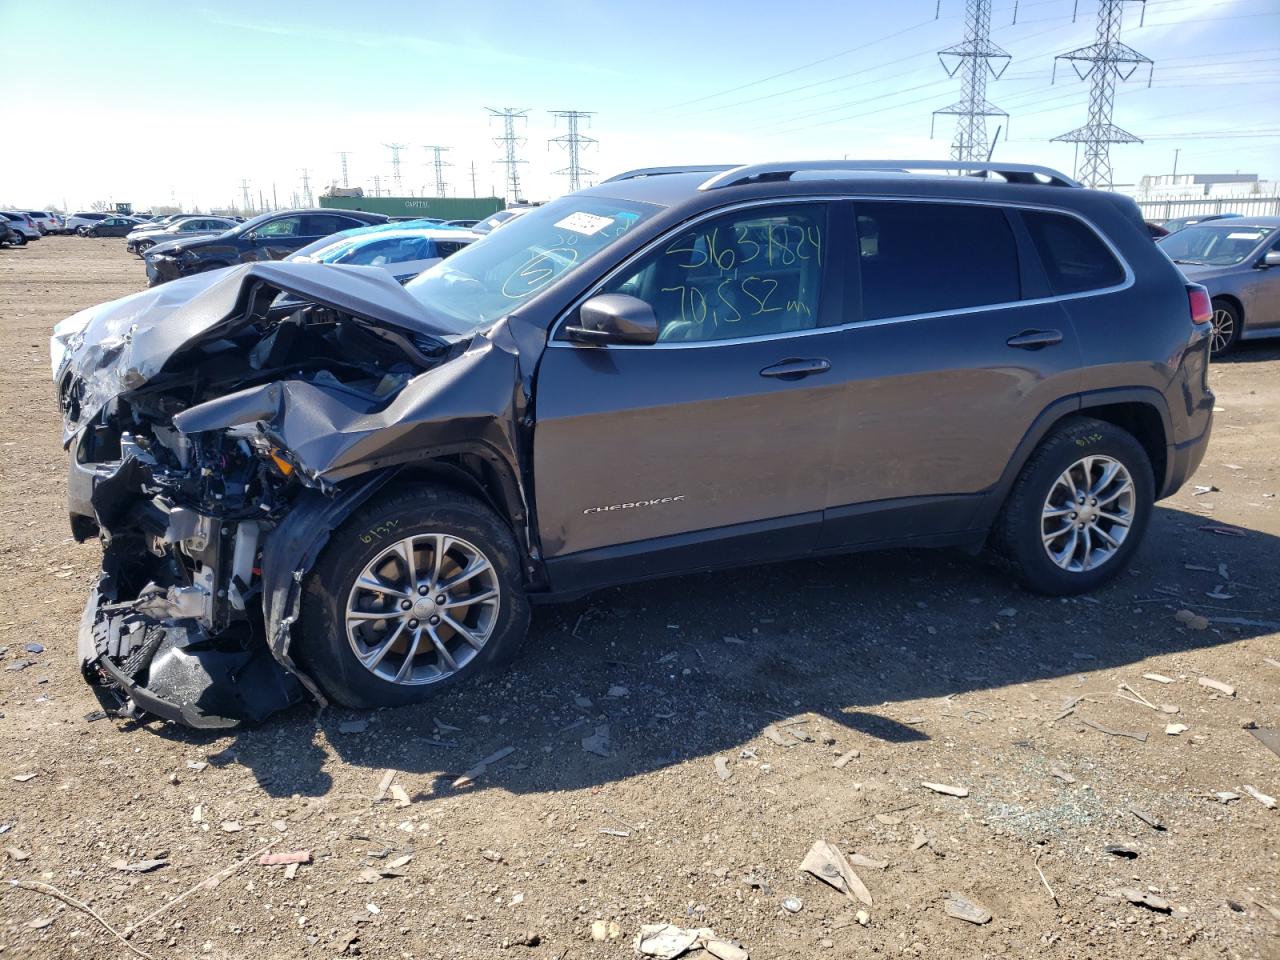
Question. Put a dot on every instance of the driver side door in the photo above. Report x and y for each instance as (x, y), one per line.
(713, 445)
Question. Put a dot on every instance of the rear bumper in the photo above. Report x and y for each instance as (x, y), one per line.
(1184, 459)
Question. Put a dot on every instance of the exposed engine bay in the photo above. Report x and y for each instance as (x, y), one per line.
(218, 428)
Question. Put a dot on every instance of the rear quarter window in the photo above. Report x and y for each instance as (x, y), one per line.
(1075, 258)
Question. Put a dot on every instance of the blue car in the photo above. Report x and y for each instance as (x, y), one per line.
(402, 249)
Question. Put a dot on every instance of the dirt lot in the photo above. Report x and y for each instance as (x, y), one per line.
(929, 665)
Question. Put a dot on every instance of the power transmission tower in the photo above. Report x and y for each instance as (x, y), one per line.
(395, 149)
(377, 185)
(974, 59)
(510, 141)
(473, 179)
(439, 163)
(573, 142)
(244, 191)
(1102, 62)
(344, 154)
(306, 187)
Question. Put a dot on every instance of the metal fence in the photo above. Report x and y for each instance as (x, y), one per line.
(1191, 207)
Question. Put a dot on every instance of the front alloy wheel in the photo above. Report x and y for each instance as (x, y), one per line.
(423, 608)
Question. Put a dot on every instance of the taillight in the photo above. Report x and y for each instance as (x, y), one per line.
(1201, 305)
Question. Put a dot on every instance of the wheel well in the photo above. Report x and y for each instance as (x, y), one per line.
(1144, 422)
(1234, 301)
(475, 475)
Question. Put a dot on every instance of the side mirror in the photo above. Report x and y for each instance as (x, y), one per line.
(615, 318)
(251, 238)
(1272, 259)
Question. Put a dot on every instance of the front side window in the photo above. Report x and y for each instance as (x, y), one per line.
(933, 257)
(379, 252)
(486, 281)
(284, 227)
(321, 225)
(750, 274)
(1074, 257)
(1214, 243)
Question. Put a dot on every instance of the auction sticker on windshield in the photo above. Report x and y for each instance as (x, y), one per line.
(1255, 235)
(584, 223)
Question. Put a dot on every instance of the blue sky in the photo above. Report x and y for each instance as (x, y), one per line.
(143, 101)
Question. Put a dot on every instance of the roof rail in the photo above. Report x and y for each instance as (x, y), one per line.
(660, 171)
(1012, 172)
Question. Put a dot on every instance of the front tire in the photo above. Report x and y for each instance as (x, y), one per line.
(1078, 510)
(417, 591)
(1227, 328)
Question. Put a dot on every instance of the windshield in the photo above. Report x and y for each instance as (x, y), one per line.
(1215, 244)
(493, 276)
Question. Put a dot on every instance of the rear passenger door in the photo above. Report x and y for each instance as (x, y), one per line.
(954, 348)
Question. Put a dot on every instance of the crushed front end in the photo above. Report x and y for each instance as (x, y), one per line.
(186, 409)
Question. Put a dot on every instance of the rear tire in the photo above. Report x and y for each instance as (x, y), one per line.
(1058, 544)
(368, 647)
(1226, 328)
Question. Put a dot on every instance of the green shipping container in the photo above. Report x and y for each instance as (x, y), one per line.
(441, 208)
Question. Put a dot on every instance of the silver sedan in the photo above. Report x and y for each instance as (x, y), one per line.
(1238, 260)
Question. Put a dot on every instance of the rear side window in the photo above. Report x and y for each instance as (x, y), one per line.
(1075, 258)
(934, 257)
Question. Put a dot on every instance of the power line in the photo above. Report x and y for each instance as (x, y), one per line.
(1108, 60)
(574, 142)
(973, 59)
(439, 163)
(395, 149)
(509, 141)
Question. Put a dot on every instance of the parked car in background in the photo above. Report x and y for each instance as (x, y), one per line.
(147, 235)
(461, 223)
(1181, 223)
(1156, 230)
(496, 220)
(1238, 262)
(75, 221)
(271, 236)
(404, 252)
(45, 221)
(672, 372)
(10, 237)
(22, 223)
(110, 227)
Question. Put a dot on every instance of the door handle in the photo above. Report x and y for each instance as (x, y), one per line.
(796, 369)
(1035, 339)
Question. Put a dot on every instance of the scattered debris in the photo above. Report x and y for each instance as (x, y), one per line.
(1192, 621)
(1223, 531)
(1007, 612)
(888, 819)
(17, 855)
(353, 726)
(843, 760)
(1143, 899)
(1223, 688)
(1173, 729)
(231, 826)
(1168, 708)
(598, 742)
(722, 768)
(1061, 774)
(1225, 796)
(400, 796)
(384, 785)
(24, 777)
(1151, 821)
(1202, 490)
(1120, 850)
(862, 917)
(479, 769)
(294, 856)
(1262, 798)
(40, 923)
(947, 789)
(919, 841)
(140, 866)
(829, 865)
(1141, 737)
(1157, 677)
(51, 891)
(35, 648)
(1275, 913)
(793, 904)
(858, 860)
(962, 908)
(666, 941)
(602, 930)
(493, 856)
(771, 732)
(618, 690)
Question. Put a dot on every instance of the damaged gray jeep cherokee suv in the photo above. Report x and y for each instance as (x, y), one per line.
(310, 480)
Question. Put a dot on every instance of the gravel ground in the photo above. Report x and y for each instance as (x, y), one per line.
(927, 666)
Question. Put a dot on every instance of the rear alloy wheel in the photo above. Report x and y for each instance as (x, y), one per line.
(1078, 509)
(419, 589)
(1226, 327)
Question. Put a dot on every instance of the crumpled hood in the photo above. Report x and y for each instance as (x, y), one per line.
(126, 343)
